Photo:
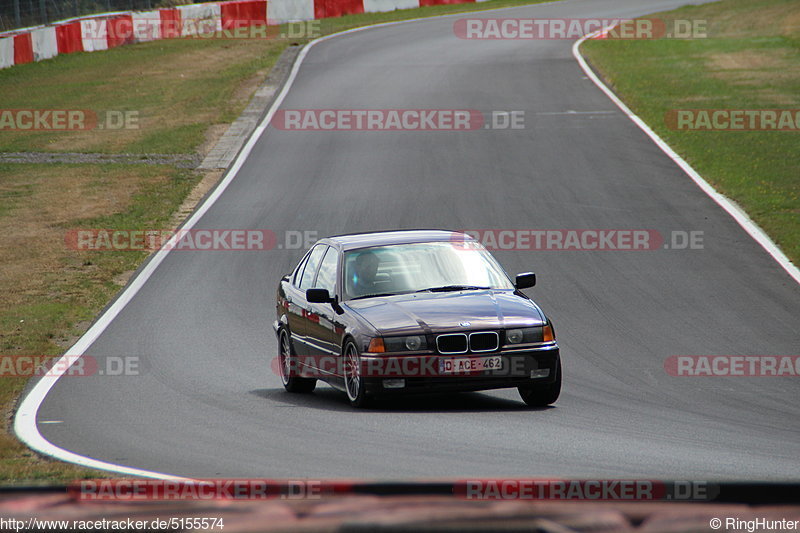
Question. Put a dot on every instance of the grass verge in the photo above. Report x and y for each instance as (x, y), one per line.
(750, 59)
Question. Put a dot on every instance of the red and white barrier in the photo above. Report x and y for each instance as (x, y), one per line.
(337, 8)
(6, 52)
(120, 30)
(146, 26)
(382, 6)
(424, 3)
(110, 30)
(281, 11)
(94, 35)
(23, 49)
(171, 27)
(44, 43)
(197, 19)
(243, 13)
(68, 38)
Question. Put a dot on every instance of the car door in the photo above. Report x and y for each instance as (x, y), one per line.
(304, 280)
(324, 330)
(290, 298)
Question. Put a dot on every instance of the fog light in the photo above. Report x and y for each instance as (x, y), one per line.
(394, 383)
(540, 373)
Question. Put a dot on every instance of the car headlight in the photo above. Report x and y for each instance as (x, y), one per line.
(514, 336)
(412, 343)
(530, 335)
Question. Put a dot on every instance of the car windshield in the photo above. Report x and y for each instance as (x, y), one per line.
(435, 266)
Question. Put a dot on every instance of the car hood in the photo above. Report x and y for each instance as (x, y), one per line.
(426, 312)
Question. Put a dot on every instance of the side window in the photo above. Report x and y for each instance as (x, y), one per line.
(298, 273)
(310, 270)
(326, 279)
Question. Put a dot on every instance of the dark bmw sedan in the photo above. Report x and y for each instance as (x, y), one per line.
(412, 311)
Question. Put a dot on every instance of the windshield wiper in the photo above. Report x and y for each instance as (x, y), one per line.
(448, 288)
(376, 295)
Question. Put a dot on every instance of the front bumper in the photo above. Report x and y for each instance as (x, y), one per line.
(420, 373)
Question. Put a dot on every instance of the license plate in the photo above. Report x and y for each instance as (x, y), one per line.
(467, 365)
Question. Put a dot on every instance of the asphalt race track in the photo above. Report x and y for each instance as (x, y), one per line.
(207, 403)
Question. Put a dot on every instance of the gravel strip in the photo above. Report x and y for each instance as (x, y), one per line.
(178, 160)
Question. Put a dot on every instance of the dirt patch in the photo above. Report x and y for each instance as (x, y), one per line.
(751, 67)
(780, 19)
(66, 341)
(791, 23)
(245, 91)
(32, 233)
(747, 60)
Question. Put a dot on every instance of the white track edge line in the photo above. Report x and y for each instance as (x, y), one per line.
(25, 426)
(738, 214)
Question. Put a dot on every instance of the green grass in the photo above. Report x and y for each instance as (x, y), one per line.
(750, 60)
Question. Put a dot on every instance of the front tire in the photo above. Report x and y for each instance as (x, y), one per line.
(542, 396)
(353, 380)
(286, 361)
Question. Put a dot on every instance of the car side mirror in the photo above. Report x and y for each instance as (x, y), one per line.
(318, 296)
(525, 280)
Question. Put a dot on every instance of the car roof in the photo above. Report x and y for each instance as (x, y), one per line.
(354, 241)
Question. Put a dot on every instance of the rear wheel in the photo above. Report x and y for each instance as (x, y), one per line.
(353, 380)
(545, 395)
(288, 367)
